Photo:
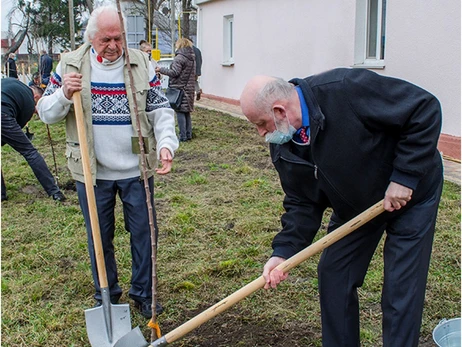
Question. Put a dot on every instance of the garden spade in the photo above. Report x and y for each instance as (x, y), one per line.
(107, 323)
(253, 286)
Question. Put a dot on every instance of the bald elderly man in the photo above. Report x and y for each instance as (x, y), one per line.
(345, 139)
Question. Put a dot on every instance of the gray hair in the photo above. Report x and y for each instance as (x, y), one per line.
(92, 25)
(274, 90)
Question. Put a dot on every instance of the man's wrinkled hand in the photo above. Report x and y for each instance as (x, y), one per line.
(166, 160)
(272, 275)
(72, 82)
(396, 197)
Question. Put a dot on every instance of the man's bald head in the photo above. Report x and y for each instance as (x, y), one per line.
(251, 95)
(262, 93)
(267, 99)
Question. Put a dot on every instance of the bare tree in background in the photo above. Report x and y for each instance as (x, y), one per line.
(159, 11)
(18, 31)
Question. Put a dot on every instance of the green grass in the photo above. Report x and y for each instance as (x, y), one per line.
(218, 211)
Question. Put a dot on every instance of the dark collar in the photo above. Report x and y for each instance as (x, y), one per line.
(316, 116)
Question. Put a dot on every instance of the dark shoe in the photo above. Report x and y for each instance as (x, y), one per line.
(144, 306)
(114, 300)
(59, 197)
(4, 198)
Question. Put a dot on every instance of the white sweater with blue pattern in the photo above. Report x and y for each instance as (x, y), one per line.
(112, 125)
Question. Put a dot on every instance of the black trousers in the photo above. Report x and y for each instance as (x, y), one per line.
(343, 266)
(13, 135)
(133, 196)
(184, 125)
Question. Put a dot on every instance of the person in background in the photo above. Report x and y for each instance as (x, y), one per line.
(198, 55)
(46, 65)
(35, 80)
(115, 161)
(182, 76)
(346, 139)
(10, 66)
(146, 47)
(18, 106)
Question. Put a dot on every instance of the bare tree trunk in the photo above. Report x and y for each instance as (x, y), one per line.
(90, 5)
(16, 45)
(71, 24)
(172, 24)
(185, 23)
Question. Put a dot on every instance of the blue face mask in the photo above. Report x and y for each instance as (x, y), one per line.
(278, 137)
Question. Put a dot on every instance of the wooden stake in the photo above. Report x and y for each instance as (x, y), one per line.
(145, 178)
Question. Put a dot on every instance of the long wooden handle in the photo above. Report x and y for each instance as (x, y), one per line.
(290, 263)
(94, 222)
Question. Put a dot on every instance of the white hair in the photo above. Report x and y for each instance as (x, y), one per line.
(274, 90)
(92, 25)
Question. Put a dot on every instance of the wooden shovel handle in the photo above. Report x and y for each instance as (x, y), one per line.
(332, 237)
(91, 200)
(290, 263)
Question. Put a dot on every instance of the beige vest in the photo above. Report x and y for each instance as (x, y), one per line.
(79, 61)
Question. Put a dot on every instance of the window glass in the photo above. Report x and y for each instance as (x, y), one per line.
(135, 31)
(372, 30)
(370, 33)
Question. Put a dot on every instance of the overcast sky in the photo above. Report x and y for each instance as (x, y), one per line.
(7, 5)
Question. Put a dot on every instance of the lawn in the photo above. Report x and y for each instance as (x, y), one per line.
(218, 211)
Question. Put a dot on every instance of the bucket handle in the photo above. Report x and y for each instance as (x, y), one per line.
(444, 320)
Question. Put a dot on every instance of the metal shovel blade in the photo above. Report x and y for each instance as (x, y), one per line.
(133, 339)
(98, 331)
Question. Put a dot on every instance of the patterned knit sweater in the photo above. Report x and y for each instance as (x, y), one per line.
(112, 126)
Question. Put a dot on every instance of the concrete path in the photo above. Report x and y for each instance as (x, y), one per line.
(451, 167)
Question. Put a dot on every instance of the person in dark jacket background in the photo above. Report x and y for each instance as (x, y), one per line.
(46, 65)
(18, 106)
(346, 139)
(10, 66)
(182, 76)
(198, 55)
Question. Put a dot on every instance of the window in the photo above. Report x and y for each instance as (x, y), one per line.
(135, 31)
(228, 40)
(370, 33)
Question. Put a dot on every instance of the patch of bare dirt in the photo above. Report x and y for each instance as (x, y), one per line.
(235, 328)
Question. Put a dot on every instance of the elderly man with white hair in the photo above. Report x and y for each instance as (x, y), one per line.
(10, 66)
(97, 70)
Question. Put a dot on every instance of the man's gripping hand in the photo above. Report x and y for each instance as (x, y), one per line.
(396, 196)
(272, 275)
(72, 82)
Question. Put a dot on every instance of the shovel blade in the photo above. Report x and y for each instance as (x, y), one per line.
(133, 339)
(97, 329)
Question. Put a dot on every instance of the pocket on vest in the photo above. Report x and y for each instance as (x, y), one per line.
(74, 158)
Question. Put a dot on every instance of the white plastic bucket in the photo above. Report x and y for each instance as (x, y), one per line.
(447, 333)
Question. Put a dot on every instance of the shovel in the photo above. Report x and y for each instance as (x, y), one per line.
(107, 323)
(290, 263)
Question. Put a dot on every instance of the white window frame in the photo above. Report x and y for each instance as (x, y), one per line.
(362, 37)
(228, 40)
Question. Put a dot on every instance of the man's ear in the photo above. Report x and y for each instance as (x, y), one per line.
(36, 97)
(279, 111)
